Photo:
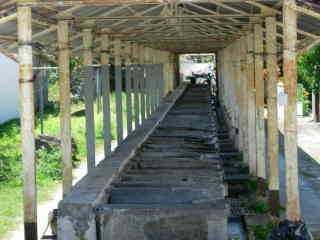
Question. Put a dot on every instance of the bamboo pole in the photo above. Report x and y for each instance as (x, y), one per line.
(273, 136)
(290, 122)
(118, 79)
(259, 86)
(105, 61)
(251, 106)
(65, 104)
(89, 98)
(27, 122)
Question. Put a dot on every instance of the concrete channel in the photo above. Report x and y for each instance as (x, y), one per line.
(172, 187)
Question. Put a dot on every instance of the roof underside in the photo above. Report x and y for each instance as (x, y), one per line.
(184, 26)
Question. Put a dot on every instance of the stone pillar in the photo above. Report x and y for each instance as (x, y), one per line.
(65, 104)
(290, 118)
(273, 136)
(27, 119)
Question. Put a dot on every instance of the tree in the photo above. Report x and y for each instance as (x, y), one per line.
(309, 76)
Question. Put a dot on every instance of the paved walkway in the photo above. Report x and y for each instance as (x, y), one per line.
(309, 172)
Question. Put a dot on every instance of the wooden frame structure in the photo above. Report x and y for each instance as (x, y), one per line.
(154, 31)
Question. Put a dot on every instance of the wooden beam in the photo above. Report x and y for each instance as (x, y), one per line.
(65, 104)
(273, 136)
(128, 65)
(290, 123)
(27, 119)
(136, 86)
(8, 18)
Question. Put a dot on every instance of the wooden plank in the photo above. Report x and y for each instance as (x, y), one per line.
(290, 119)
(27, 119)
(65, 105)
(89, 98)
(259, 86)
(105, 83)
(273, 136)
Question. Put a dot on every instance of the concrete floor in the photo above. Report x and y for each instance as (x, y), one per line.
(309, 172)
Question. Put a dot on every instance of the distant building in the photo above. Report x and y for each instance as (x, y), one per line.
(9, 89)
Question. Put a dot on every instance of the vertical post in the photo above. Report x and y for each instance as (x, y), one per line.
(244, 93)
(273, 136)
(65, 104)
(105, 82)
(118, 79)
(136, 87)
(259, 84)
(290, 123)
(251, 106)
(142, 83)
(128, 87)
(27, 122)
(148, 79)
(89, 98)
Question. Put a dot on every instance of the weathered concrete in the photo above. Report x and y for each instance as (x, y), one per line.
(148, 192)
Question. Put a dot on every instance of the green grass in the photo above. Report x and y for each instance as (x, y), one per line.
(48, 161)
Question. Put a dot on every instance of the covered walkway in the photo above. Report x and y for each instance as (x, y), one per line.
(139, 42)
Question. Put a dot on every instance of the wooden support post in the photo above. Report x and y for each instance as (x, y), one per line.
(65, 104)
(136, 87)
(244, 93)
(118, 79)
(128, 63)
(105, 83)
(251, 106)
(27, 119)
(142, 83)
(290, 123)
(153, 82)
(273, 136)
(259, 86)
(148, 79)
(89, 98)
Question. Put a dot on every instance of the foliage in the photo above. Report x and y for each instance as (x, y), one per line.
(309, 70)
(303, 97)
(261, 232)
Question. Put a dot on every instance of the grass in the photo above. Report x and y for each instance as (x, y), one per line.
(48, 162)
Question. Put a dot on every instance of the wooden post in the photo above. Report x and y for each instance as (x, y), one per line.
(136, 87)
(65, 104)
(244, 93)
(128, 63)
(142, 83)
(118, 79)
(89, 101)
(290, 123)
(27, 122)
(273, 136)
(251, 106)
(259, 86)
(148, 74)
(105, 61)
